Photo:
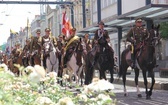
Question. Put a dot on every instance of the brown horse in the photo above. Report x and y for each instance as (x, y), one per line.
(145, 61)
(5, 59)
(17, 59)
(36, 55)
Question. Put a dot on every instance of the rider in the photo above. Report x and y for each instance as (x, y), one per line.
(87, 42)
(136, 36)
(101, 40)
(60, 45)
(33, 45)
(15, 52)
(26, 50)
(70, 46)
(45, 39)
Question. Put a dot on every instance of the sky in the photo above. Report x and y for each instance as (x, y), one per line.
(14, 16)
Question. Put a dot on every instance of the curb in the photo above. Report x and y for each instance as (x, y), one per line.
(131, 82)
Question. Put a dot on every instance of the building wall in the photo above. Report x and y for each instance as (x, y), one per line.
(35, 24)
(129, 5)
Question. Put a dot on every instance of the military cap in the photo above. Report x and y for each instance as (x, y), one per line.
(17, 44)
(47, 29)
(38, 31)
(101, 23)
(138, 20)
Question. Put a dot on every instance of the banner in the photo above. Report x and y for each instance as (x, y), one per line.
(66, 25)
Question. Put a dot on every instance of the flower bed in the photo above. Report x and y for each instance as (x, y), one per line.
(21, 91)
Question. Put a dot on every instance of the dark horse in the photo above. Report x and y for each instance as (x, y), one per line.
(104, 62)
(145, 61)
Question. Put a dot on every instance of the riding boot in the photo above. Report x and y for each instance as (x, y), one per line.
(133, 60)
(32, 61)
(44, 63)
(95, 59)
(65, 61)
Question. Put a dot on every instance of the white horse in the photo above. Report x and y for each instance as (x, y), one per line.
(73, 66)
(52, 62)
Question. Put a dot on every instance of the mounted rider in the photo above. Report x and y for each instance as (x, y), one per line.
(47, 38)
(72, 42)
(34, 46)
(16, 52)
(87, 42)
(26, 50)
(60, 45)
(101, 40)
(136, 35)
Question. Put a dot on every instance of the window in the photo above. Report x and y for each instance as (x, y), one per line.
(95, 6)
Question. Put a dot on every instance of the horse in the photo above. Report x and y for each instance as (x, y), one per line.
(26, 54)
(4, 59)
(36, 55)
(52, 62)
(16, 60)
(75, 64)
(103, 63)
(145, 61)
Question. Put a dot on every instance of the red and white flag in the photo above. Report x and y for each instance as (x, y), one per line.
(66, 25)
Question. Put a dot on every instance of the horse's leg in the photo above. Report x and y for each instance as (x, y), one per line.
(153, 82)
(111, 74)
(136, 81)
(124, 79)
(89, 72)
(102, 74)
(145, 83)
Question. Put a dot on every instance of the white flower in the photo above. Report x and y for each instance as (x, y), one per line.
(105, 85)
(83, 97)
(65, 77)
(65, 101)
(43, 101)
(103, 97)
(52, 74)
(4, 69)
(98, 85)
(36, 73)
(40, 70)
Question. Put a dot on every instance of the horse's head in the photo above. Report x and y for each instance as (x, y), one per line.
(81, 46)
(47, 47)
(154, 35)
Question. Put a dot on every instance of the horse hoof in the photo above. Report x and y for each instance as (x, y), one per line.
(139, 95)
(148, 97)
(125, 94)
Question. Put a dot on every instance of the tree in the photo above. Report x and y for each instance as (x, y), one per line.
(164, 30)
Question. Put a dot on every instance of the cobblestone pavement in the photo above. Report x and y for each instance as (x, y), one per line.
(159, 97)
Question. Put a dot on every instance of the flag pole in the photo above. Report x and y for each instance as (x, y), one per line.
(27, 27)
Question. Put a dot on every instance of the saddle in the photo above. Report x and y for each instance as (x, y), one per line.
(129, 52)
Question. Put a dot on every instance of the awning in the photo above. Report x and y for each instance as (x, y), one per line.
(156, 12)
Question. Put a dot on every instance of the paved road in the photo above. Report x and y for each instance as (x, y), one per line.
(159, 97)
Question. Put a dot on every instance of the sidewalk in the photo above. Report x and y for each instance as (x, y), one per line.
(160, 83)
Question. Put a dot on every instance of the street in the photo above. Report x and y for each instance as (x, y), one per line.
(159, 97)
